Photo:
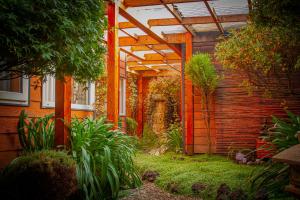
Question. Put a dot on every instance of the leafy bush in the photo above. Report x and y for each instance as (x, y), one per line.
(275, 176)
(131, 126)
(104, 159)
(36, 134)
(39, 175)
(174, 138)
(149, 140)
(52, 37)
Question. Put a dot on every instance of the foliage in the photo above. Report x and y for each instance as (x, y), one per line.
(174, 138)
(104, 159)
(275, 176)
(276, 13)
(131, 126)
(265, 57)
(210, 171)
(168, 89)
(52, 37)
(133, 91)
(43, 175)
(36, 134)
(149, 140)
(203, 75)
(101, 96)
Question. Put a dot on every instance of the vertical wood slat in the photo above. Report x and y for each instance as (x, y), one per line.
(63, 92)
(140, 106)
(189, 101)
(112, 65)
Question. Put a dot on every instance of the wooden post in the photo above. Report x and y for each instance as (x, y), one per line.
(140, 106)
(189, 101)
(112, 65)
(63, 92)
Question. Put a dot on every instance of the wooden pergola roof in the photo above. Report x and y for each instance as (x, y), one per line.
(151, 31)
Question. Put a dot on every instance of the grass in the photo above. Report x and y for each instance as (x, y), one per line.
(211, 171)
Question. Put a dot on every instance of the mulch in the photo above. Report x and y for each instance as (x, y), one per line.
(149, 191)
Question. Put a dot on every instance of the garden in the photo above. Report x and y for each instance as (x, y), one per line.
(152, 133)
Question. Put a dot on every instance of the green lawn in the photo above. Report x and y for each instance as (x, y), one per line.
(209, 170)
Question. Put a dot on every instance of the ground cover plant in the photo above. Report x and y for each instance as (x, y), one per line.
(184, 171)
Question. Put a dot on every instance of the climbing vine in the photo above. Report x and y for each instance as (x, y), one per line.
(101, 94)
(167, 89)
(133, 91)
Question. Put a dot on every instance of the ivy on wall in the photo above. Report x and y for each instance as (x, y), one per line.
(101, 95)
(166, 88)
(133, 91)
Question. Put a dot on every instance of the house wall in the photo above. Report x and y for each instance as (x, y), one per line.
(237, 117)
(9, 142)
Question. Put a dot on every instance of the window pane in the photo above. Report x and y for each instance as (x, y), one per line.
(10, 85)
(80, 93)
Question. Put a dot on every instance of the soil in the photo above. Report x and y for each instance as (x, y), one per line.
(151, 192)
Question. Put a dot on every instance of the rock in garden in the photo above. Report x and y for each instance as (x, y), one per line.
(238, 194)
(223, 192)
(198, 187)
(150, 176)
(173, 188)
(261, 194)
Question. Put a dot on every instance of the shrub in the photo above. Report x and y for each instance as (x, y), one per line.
(104, 159)
(131, 126)
(36, 134)
(149, 140)
(174, 138)
(40, 175)
(275, 176)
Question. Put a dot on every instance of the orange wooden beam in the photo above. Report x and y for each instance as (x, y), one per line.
(213, 15)
(124, 25)
(148, 31)
(189, 102)
(155, 56)
(63, 93)
(147, 48)
(137, 3)
(131, 54)
(147, 40)
(152, 62)
(198, 20)
(140, 107)
(112, 65)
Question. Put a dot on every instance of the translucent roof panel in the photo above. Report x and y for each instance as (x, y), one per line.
(192, 9)
(230, 7)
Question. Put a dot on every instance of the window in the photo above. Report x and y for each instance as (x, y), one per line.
(122, 105)
(14, 91)
(83, 96)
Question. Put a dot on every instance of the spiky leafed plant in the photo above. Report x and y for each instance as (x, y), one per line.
(104, 159)
(37, 133)
(203, 75)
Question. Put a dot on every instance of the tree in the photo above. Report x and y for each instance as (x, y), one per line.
(203, 75)
(267, 49)
(59, 37)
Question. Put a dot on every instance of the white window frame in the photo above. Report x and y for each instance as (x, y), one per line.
(16, 98)
(122, 99)
(51, 104)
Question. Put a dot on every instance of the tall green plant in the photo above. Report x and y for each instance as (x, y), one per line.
(174, 137)
(36, 134)
(131, 126)
(275, 176)
(203, 75)
(104, 159)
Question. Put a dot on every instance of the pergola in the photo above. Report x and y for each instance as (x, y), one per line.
(154, 37)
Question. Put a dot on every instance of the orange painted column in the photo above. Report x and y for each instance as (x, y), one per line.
(113, 71)
(189, 101)
(140, 106)
(63, 93)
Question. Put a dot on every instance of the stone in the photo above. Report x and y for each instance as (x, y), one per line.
(238, 194)
(198, 187)
(150, 176)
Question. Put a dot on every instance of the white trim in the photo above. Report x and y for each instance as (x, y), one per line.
(16, 98)
(46, 103)
(122, 99)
